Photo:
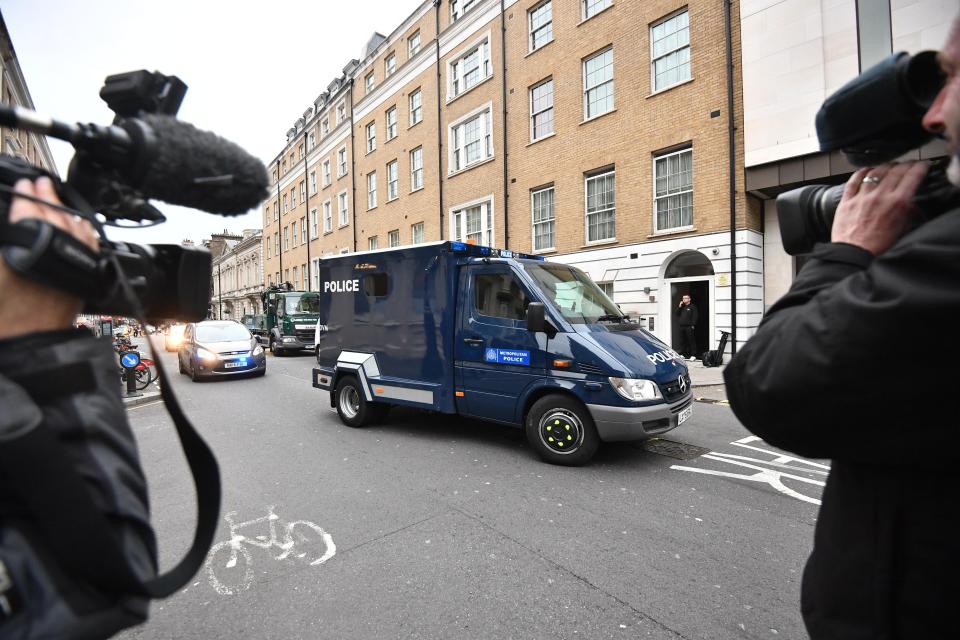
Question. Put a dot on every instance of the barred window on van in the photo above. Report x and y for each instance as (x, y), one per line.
(375, 284)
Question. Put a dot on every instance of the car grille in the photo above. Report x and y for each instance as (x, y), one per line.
(234, 353)
(671, 390)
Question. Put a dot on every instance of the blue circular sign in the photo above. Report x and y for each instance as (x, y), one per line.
(130, 359)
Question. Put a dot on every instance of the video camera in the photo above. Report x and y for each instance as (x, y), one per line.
(146, 153)
(875, 118)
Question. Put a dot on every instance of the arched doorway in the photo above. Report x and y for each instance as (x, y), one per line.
(688, 273)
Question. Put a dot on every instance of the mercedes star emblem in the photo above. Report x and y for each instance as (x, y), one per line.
(683, 384)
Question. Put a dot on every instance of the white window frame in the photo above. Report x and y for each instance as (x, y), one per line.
(325, 127)
(414, 228)
(393, 180)
(343, 209)
(391, 126)
(458, 230)
(552, 221)
(416, 113)
(460, 7)
(268, 247)
(313, 182)
(327, 179)
(413, 48)
(587, 213)
(341, 112)
(311, 140)
(286, 238)
(303, 191)
(373, 243)
(369, 82)
(315, 274)
(327, 216)
(342, 168)
(532, 32)
(314, 229)
(486, 139)
(393, 238)
(371, 131)
(388, 68)
(293, 234)
(371, 190)
(455, 67)
(685, 47)
(590, 8)
(586, 90)
(286, 205)
(416, 173)
(303, 230)
(680, 192)
(533, 114)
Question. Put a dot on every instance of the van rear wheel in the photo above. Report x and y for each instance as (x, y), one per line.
(352, 406)
(561, 431)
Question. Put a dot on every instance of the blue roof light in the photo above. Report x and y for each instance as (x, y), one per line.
(458, 247)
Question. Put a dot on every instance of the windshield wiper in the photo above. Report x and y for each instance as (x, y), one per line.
(609, 317)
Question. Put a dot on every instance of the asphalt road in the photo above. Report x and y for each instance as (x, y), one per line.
(435, 527)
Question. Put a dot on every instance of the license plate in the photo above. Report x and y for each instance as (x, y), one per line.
(231, 365)
(684, 415)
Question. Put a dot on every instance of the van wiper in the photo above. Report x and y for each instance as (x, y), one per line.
(609, 317)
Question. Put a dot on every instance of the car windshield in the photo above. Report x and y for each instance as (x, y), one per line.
(573, 293)
(304, 303)
(221, 332)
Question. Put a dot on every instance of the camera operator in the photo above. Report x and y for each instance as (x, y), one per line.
(61, 381)
(858, 363)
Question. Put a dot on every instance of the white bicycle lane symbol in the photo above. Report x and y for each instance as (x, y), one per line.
(776, 472)
(230, 565)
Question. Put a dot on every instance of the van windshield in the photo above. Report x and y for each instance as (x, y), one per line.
(305, 303)
(573, 293)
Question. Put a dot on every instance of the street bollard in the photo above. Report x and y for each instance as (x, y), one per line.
(129, 361)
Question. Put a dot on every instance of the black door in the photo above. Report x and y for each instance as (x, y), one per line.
(699, 292)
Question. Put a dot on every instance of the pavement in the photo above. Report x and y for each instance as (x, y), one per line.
(707, 383)
(152, 392)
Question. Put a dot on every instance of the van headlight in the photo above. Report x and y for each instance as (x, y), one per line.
(636, 389)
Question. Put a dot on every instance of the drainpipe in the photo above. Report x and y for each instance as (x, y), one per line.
(306, 203)
(353, 171)
(732, 150)
(503, 76)
(279, 224)
(436, 15)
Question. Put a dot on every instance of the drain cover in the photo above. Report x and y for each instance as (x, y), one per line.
(671, 449)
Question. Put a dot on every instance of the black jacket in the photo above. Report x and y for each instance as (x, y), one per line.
(860, 363)
(687, 315)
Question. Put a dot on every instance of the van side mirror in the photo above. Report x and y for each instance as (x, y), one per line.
(536, 320)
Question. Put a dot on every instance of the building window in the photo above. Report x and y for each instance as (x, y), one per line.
(413, 44)
(390, 65)
(393, 238)
(600, 192)
(393, 180)
(327, 217)
(607, 288)
(295, 278)
(416, 233)
(326, 173)
(468, 69)
(341, 113)
(416, 169)
(342, 162)
(391, 123)
(286, 238)
(541, 110)
(598, 84)
(286, 206)
(472, 140)
(325, 126)
(368, 83)
(293, 198)
(313, 181)
(313, 221)
(593, 7)
(541, 25)
(371, 190)
(312, 140)
(541, 203)
(416, 107)
(303, 191)
(670, 51)
(303, 230)
(300, 151)
(315, 274)
(372, 243)
(276, 244)
(342, 205)
(460, 7)
(268, 247)
(371, 136)
(673, 190)
(473, 224)
(293, 232)
(276, 212)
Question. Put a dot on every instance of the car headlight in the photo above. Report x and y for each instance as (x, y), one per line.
(206, 356)
(257, 350)
(636, 389)
(288, 339)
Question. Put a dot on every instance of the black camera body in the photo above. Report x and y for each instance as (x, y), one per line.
(873, 119)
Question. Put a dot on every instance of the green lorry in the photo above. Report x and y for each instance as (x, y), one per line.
(289, 321)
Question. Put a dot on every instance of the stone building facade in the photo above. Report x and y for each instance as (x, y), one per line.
(237, 274)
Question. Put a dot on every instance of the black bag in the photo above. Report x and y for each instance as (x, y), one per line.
(714, 357)
(78, 557)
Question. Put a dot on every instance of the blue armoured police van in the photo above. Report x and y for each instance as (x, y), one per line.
(462, 329)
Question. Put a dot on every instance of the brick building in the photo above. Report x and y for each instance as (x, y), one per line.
(596, 133)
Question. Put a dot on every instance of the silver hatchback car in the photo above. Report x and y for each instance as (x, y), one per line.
(214, 348)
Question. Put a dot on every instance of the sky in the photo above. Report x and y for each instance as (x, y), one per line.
(252, 68)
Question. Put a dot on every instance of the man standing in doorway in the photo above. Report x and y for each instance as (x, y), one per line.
(687, 319)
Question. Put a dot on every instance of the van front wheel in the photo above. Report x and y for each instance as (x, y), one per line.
(561, 431)
(352, 405)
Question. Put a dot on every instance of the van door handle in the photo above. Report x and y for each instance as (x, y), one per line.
(473, 342)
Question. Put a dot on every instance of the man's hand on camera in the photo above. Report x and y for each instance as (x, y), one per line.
(26, 306)
(877, 205)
